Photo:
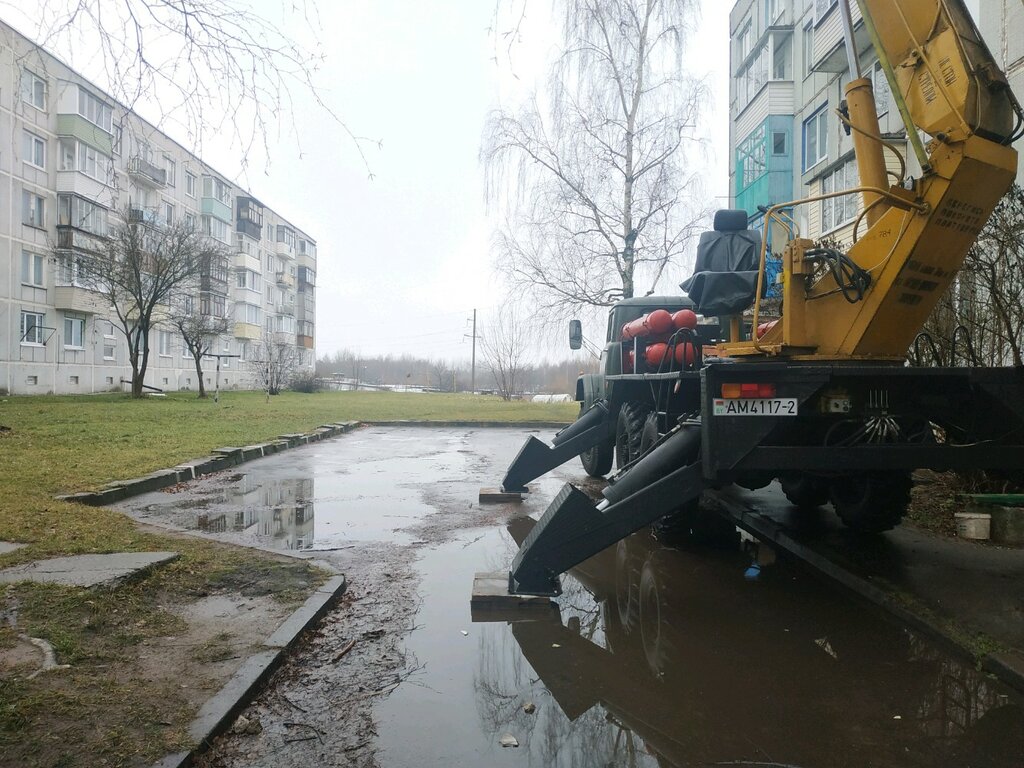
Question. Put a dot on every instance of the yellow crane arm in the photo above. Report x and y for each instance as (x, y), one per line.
(948, 86)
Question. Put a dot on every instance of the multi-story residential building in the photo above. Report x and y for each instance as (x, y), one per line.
(788, 68)
(74, 158)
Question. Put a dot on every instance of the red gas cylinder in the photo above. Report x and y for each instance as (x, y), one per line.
(658, 321)
(763, 328)
(628, 361)
(655, 354)
(686, 353)
(685, 318)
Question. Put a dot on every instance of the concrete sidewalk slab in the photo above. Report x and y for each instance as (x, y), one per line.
(9, 546)
(86, 570)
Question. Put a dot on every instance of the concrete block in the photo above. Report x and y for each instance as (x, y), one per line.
(1007, 526)
(497, 496)
(86, 570)
(490, 590)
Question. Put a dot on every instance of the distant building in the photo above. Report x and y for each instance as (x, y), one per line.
(75, 157)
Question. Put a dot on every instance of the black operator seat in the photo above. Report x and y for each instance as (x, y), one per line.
(724, 279)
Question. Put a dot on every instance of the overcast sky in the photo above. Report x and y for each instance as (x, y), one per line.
(404, 258)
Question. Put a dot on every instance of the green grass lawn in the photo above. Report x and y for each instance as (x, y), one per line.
(89, 715)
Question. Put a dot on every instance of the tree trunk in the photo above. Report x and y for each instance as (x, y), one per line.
(197, 357)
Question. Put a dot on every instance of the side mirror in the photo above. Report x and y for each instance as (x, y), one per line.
(575, 334)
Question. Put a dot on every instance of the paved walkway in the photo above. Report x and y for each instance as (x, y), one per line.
(86, 570)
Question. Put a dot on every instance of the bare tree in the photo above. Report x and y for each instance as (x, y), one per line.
(504, 347)
(442, 374)
(199, 331)
(214, 66)
(599, 197)
(983, 305)
(275, 361)
(139, 267)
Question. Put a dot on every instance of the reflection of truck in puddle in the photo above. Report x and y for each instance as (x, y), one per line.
(280, 511)
(707, 669)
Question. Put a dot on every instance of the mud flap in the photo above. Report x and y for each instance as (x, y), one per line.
(573, 529)
(535, 458)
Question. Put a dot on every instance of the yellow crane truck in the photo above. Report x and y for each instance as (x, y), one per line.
(821, 398)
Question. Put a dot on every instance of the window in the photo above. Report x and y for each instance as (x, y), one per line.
(32, 327)
(217, 189)
(190, 220)
(821, 9)
(750, 155)
(880, 86)
(76, 156)
(782, 55)
(33, 149)
(168, 214)
(216, 229)
(212, 304)
(743, 41)
(837, 211)
(773, 10)
(33, 209)
(95, 110)
(779, 143)
(163, 343)
(118, 136)
(33, 89)
(753, 78)
(32, 269)
(248, 279)
(77, 212)
(190, 184)
(285, 235)
(109, 351)
(170, 167)
(816, 138)
(74, 331)
(808, 48)
(249, 313)
(73, 380)
(270, 294)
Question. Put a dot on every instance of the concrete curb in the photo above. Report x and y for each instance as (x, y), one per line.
(1008, 667)
(221, 459)
(218, 713)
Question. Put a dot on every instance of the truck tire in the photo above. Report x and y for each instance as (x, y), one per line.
(805, 491)
(629, 432)
(872, 503)
(597, 461)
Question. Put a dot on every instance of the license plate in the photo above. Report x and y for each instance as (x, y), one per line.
(755, 406)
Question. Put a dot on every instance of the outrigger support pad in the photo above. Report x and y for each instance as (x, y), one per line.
(535, 458)
(573, 529)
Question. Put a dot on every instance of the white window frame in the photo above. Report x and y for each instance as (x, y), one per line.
(71, 322)
(190, 184)
(837, 212)
(170, 170)
(168, 213)
(33, 209)
(33, 148)
(34, 263)
(163, 343)
(819, 132)
(101, 114)
(880, 88)
(33, 89)
(36, 327)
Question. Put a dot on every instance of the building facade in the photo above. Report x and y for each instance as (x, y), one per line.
(71, 160)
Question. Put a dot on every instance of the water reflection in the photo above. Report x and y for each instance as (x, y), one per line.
(668, 657)
(279, 512)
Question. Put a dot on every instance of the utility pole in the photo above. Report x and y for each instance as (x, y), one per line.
(472, 379)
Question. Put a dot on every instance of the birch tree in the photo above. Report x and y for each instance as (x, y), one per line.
(591, 175)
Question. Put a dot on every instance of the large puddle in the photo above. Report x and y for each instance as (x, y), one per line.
(663, 656)
(655, 657)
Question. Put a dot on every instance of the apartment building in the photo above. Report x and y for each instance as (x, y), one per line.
(71, 158)
(789, 67)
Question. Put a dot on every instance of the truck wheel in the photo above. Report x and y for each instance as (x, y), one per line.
(872, 503)
(805, 491)
(597, 461)
(629, 432)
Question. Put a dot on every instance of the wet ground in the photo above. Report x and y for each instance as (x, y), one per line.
(655, 656)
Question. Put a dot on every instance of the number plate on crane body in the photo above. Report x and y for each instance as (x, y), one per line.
(755, 406)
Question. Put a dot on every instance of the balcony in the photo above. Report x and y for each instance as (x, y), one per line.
(144, 172)
(774, 98)
(829, 50)
(285, 308)
(285, 251)
(77, 183)
(143, 216)
(71, 239)
(247, 331)
(284, 279)
(306, 342)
